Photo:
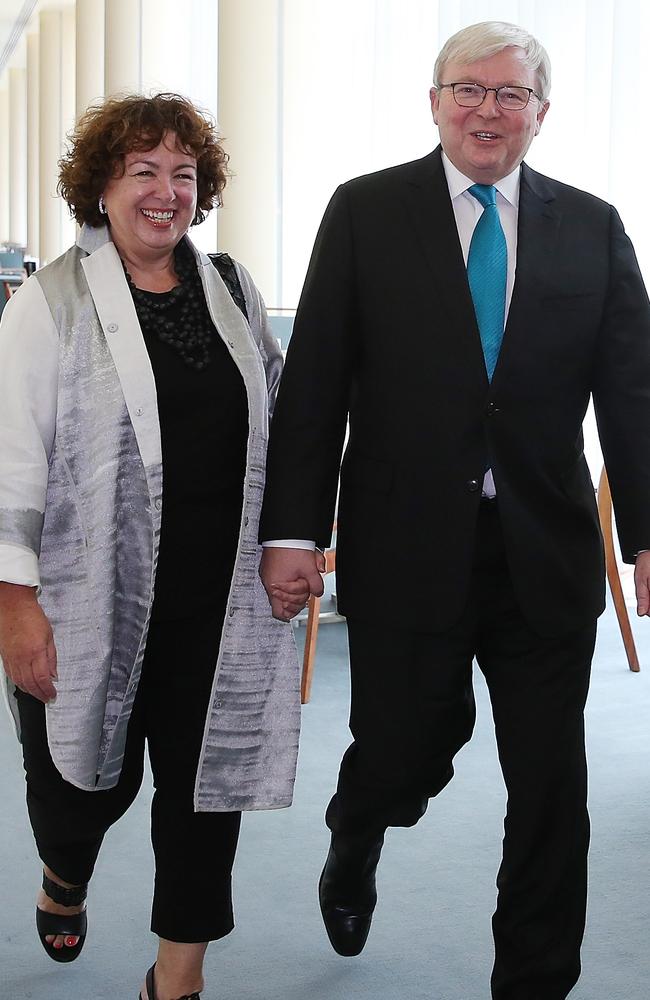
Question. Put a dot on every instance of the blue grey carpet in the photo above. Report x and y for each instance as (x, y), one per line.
(431, 933)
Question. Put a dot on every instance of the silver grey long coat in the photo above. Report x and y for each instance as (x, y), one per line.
(81, 493)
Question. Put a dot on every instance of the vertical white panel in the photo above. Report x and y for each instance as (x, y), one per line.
(33, 166)
(180, 55)
(4, 159)
(18, 156)
(248, 117)
(329, 74)
(450, 19)
(166, 51)
(630, 138)
(356, 83)
(50, 22)
(203, 90)
(203, 45)
(597, 98)
(123, 47)
(89, 53)
(68, 108)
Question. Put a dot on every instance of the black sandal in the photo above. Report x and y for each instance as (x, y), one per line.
(151, 989)
(74, 925)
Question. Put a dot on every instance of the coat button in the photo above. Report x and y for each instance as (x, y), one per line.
(472, 485)
(139, 411)
(112, 328)
(491, 409)
(158, 504)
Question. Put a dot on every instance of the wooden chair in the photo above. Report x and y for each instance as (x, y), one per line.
(313, 613)
(605, 515)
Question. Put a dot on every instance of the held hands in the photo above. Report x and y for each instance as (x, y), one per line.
(642, 583)
(26, 642)
(289, 577)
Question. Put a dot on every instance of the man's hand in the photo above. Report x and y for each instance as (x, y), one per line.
(26, 642)
(642, 583)
(288, 575)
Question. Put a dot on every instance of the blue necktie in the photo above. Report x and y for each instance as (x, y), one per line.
(487, 266)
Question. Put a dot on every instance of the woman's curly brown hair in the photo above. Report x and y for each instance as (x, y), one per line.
(106, 132)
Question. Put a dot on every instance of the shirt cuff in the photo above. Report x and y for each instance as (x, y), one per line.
(18, 564)
(290, 543)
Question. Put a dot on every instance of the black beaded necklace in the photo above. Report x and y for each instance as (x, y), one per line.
(180, 317)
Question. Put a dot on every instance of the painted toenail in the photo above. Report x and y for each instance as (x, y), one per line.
(70, 941)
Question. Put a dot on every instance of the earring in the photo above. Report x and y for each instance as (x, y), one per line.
(101, 205)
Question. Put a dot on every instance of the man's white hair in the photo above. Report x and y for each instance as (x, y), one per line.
(480, 41)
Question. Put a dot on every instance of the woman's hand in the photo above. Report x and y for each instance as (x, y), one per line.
(291, 597)
(26, 642)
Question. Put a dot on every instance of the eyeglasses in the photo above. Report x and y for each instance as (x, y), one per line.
(472, 95)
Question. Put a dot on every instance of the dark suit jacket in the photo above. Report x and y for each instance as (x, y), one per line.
(386, 331)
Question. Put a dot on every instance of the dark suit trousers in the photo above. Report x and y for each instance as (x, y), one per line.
(194, 852)
(413, 709)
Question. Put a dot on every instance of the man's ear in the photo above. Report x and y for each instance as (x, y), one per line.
(541, 114)
(435, 101)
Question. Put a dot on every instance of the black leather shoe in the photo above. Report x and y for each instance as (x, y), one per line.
(348, 894)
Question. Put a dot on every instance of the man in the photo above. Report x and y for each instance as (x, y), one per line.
(464, 489)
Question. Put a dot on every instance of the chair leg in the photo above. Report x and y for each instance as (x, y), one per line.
(310, 649)
(605, 513)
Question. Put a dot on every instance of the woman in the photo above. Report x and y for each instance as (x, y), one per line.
(136, 379)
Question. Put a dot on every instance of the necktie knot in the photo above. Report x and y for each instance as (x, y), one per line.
(486, 194)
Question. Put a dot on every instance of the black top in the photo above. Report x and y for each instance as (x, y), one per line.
(204, 428)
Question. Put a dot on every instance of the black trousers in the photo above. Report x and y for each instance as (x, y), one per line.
(194, 852)
(413, 709)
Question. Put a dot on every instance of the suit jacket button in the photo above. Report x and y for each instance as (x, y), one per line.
(491, 409)
(472, 485)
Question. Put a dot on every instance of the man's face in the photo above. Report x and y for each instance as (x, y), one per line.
(488, 142)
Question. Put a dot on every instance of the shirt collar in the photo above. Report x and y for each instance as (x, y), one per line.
(458, 183)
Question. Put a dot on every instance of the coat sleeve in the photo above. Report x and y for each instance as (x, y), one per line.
(28, 401)
(28, 393)
(309, 424)
(621, 392)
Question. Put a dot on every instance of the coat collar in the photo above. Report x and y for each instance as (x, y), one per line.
(92, 238)
(118, 319)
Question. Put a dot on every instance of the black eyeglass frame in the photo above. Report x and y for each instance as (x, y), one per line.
(486, 91)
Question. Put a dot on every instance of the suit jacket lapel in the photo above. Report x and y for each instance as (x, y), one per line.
(431, 214)
(537, 234)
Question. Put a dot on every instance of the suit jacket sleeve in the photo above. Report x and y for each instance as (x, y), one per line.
(621, 393)
(309, 423)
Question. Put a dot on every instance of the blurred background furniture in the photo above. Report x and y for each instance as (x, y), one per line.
(12, 272)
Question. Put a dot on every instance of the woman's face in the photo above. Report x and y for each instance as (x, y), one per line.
(152, 204)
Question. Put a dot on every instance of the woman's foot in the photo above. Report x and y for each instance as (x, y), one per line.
(178, 972)
(47, 905)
